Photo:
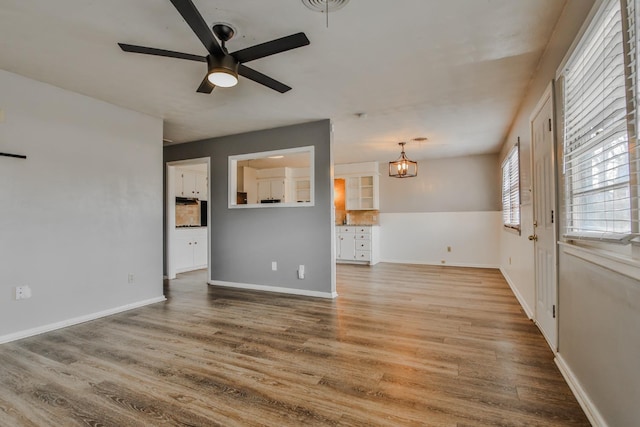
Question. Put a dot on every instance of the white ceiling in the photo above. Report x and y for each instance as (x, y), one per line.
(451, 70)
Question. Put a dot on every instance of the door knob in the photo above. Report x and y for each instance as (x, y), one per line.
(533, 237)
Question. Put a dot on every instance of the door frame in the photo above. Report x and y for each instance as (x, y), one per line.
(170, 210)
(547, 95)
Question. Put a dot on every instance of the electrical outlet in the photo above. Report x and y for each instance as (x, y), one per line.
(274, 265)
(509, 260)
(22, 292)
(131, 278)
(448, 248)
(301, 272)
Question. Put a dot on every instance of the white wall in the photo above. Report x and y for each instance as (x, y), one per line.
(598, 310)
(81, 213)
(520, 272)
(452, 202)
(423, 238)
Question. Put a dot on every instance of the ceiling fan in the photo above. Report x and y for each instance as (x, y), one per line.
(224, 67)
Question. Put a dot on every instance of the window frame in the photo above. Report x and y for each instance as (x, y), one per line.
(510, 190)
(605, 233)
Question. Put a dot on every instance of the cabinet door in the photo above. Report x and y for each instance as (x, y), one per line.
(264, 190)
(183, 251)
(178, 183)
(189, 184)
(200, 249)
(347, 244)
(278, 190)
(352, 190)
(201, 186)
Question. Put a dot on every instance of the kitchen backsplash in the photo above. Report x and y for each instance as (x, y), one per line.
(357, 217)
(187, 215)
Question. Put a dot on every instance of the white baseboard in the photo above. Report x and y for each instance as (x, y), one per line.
(587, 405)
(277, 289)
(76, 320)
(449, 264)
(516, 292)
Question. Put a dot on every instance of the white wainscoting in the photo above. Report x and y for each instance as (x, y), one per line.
(423, 238)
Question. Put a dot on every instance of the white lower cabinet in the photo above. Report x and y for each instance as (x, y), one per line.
(190, 249)
(357, 244)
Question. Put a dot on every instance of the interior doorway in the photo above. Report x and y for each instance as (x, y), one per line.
(188, 216)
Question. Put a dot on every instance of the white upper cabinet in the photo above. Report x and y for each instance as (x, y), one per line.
(362, 185)
(191, 183)
(272, 189)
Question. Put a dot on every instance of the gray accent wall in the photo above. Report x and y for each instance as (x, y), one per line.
(244, 242)
(459, 184)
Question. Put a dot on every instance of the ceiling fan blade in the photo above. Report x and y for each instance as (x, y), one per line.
(263, 79)
(161, 52)
(271, 48)
(206, 86)
(190, 14)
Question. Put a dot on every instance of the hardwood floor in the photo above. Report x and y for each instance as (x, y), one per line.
(402, 345)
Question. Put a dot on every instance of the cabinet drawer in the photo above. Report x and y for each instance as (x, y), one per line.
(363, 230)
(363, 245)
(346, 229)
(363, 255)
(362, 236)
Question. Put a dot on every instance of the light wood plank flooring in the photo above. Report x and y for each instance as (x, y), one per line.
(402, 345)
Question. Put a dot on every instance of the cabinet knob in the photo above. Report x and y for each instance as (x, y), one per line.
(189, 243)
(195, 243)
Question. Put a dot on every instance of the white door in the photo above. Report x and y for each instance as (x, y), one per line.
(544, 218)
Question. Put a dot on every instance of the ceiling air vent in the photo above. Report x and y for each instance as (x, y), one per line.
(325, 5)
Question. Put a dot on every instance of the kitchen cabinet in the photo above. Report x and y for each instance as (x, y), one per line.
(362, 181)
(302, 190)
(362, 193)
(357, 244)
(272, 189)
(202, 186)
(190, 183)
(190, 249)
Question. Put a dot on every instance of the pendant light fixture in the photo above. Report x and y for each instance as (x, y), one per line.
(403, 167)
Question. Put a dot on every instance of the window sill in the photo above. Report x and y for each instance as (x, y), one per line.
(513, 230)
(615, 262)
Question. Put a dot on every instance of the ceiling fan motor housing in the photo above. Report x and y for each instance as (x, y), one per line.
(225, 64)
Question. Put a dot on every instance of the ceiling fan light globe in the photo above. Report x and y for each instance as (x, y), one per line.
(222, 78)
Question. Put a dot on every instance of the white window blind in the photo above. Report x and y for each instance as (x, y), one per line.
(511, 189)
(598, 129)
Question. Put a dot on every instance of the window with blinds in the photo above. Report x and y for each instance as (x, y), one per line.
(599, 129)
(511, 189)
